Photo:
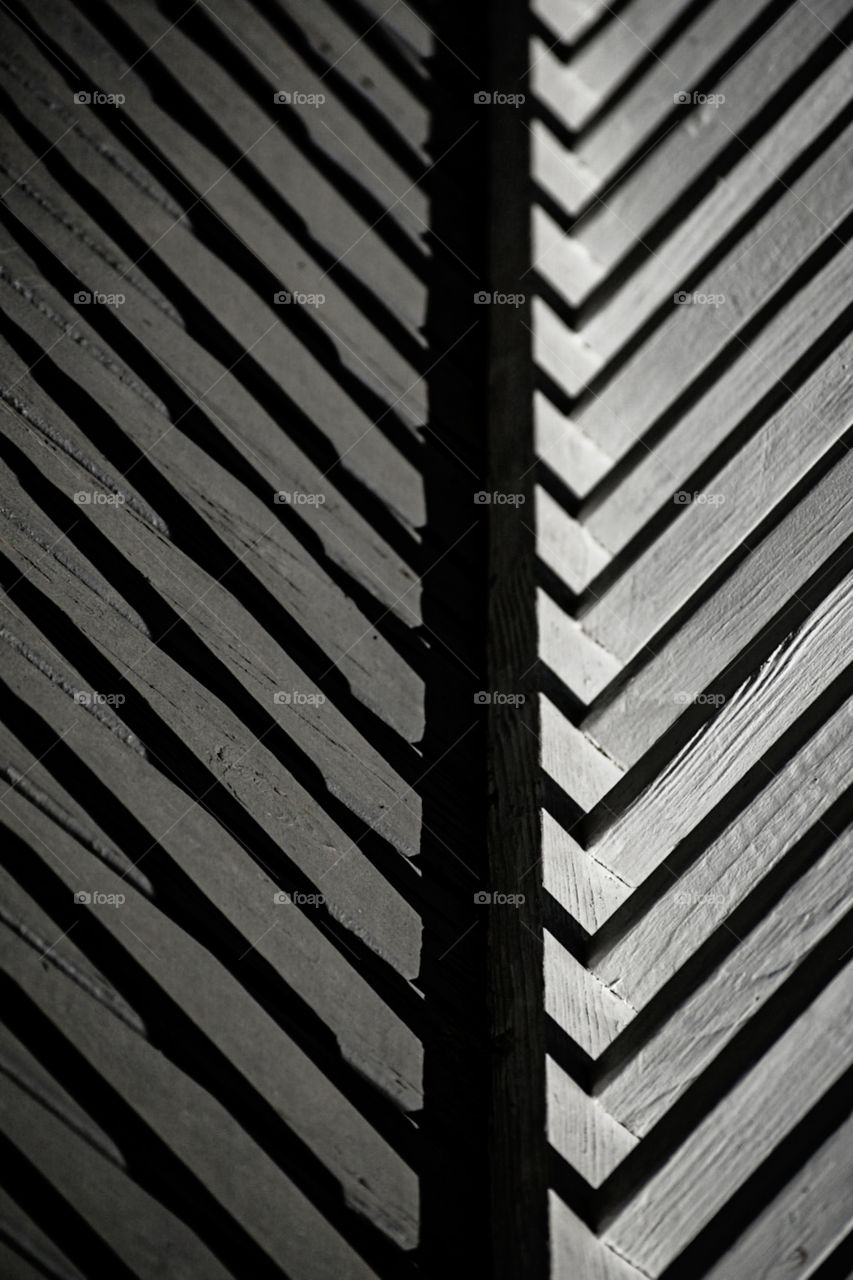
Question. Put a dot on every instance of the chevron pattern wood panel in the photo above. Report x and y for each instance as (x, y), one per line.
(692, 413)
(426, 619)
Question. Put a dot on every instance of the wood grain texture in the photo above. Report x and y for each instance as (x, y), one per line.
(394, 883)
(232, 603)
(693, 541)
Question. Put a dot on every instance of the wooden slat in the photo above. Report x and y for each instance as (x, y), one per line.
(741, 1130)
(803, 1224)
(776, 572)
(648, 1086)
(574, 178)
(726, 206)
(722, 751)
(623, 217)
(159, 1096)
(756, 480)
(693, 655)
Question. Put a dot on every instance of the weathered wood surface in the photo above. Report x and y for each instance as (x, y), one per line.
(693, 527)
(297, 1048)
(239, 640)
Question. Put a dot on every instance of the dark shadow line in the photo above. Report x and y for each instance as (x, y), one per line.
(724, 814)
(571, 137)
(754, 1195)
(181, 900)
(68, 1230)
(191, 1051)
(242, 365)
(184, 770)
(731, 933)
(743, 1052)
(197, 540)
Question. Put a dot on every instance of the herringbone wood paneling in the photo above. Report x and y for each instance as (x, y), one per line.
(691, 333)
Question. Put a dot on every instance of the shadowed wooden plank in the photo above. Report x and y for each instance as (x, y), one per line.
(586, 1010)
(682, 350)
(805, 1221)
(270, 1065)
(702, 227)
(697, 1032)
(565, 545)
(190, 1123)
(577, 1251)
(758, 479)
(739, 1133)
(724, 626)
(581, 1129)
(584, 666)
(234, 205)
(576, 91)
(363, 1029)
(573, 178)
(569, 19)
(583, 887)
(573, 761)
(690, 149)
(699, 900)
(723, 749)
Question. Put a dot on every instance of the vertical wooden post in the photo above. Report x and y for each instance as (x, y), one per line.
(518, 1156)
